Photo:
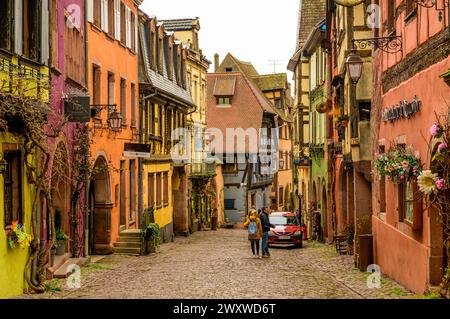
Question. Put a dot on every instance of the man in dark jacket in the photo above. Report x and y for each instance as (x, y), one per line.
(266, 225)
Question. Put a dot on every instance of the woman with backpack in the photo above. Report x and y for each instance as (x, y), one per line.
(253, 225)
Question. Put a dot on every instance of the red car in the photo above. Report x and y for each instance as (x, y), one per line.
(287, 229)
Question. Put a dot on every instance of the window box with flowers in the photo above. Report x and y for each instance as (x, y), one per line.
(17, 235)
(398, 164)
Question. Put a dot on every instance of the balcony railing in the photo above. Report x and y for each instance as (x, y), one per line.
(261, 180)
(202, 170)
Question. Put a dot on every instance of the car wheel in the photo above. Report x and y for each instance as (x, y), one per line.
(300, 245)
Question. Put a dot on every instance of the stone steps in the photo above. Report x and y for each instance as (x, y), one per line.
(127, 251)
(65, 270)
(129, 242)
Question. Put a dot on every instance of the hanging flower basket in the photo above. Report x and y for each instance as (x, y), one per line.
(17, 235)
(398, 164)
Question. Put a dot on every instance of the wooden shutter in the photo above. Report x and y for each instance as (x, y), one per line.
(166, 188)
(133, 104)
(111, 18)
(136, 33)
(104, 15)
(151, 190)
(55, 35)
(117, 19)
(417, 209)
(158, 190)
(90, 10)
(128, 27)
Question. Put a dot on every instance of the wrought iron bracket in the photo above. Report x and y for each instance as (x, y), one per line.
(391, 44)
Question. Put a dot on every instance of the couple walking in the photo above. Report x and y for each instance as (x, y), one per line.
(258, 226)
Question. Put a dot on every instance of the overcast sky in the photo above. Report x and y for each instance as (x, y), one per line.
(252, 30)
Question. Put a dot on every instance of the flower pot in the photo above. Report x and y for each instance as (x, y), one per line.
(61, 247)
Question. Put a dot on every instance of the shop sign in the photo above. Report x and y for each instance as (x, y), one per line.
(403, 110)
(137, 150)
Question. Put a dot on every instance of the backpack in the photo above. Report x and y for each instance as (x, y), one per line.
(252, 228)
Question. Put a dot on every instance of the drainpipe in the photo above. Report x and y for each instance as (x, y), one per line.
(86, 182)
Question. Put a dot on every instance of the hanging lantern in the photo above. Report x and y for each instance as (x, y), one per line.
(354, 65)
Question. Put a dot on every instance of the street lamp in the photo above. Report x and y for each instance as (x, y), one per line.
(115, 120)
(354, 65)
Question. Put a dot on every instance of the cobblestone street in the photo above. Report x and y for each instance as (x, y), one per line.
(218, 264)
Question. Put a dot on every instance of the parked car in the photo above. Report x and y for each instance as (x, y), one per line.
(287, 229)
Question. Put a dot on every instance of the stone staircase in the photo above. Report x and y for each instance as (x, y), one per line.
(62, 266)
(129, 242)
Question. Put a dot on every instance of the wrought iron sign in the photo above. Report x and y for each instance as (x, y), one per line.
(403, 110)
(391, 44)
(76, 108)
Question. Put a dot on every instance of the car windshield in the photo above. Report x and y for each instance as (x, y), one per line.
(283, 220)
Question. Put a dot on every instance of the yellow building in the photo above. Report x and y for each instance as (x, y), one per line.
(166, 102)
(205, 188)
(23, 74)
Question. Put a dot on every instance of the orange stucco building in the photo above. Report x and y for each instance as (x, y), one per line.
(113, 87)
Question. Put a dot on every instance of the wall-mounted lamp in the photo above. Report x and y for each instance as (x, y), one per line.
(354, 65)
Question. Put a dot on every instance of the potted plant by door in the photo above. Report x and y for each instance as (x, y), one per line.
(61, 242)
(152, 238)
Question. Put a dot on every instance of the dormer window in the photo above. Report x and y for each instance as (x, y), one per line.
(228, 69)
(224, 91)
(223, 101)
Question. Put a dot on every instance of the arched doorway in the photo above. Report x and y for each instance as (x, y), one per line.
(100, 206)
(60, 191)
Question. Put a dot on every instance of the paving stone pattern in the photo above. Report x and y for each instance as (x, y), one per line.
(219, 264)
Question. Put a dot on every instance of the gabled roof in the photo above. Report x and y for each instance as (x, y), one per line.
(245, 111)
(268, 82)
(250, 73)
(181, 24)
(161, 82)
(311, 12)
(247, 70)
(237, 66)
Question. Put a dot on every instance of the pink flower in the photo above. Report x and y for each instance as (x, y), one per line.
(435, 130)
(442, 147)
(402, 177)
(415, 168)
(405, 163)
(440, 183)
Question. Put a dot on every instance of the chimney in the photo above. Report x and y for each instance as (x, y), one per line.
(216, 62)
